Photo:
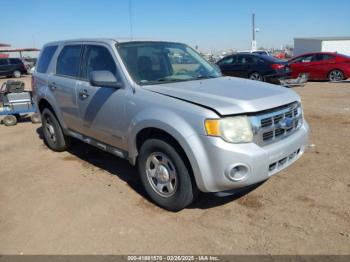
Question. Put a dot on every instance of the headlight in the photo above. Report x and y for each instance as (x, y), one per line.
(235, 129)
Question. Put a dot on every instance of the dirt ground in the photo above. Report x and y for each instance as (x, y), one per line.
(86, 201)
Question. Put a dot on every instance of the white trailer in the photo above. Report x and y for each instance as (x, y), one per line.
(322, 44)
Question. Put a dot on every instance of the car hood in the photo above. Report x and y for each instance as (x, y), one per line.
(228, 95)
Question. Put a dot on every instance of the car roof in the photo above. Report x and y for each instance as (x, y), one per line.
(110, 41)
(316, 53)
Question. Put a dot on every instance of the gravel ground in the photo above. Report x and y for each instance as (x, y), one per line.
(88, 202)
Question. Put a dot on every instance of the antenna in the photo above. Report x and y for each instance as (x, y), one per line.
(130, 19)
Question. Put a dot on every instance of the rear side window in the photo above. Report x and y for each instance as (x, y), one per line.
(45, 58)
(98, 58)
(68, 62)
(245, 60)
(15, 61)
(327, 57)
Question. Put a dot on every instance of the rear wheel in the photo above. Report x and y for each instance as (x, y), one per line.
(53, 133)
(10, 120)
(256, 76)
(165, 176)
(335, 76)
(16, 74)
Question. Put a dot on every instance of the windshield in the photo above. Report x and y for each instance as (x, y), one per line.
(160, 62)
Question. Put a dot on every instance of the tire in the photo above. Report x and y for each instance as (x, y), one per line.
(18, 117)
(53, 134)
(336, 75)
(165, 176)
(10, 120)
(35, 118)
(16, 74)
(256, 76)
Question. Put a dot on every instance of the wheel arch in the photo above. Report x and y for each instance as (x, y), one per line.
(161, 134)
(44, 103)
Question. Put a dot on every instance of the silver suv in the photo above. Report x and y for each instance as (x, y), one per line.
(165, 109)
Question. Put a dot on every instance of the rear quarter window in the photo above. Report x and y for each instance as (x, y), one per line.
(45, 58)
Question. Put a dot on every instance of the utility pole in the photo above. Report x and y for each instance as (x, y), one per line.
(255, 30)
(130, 20)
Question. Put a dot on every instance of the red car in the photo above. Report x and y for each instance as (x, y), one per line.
(321, 66)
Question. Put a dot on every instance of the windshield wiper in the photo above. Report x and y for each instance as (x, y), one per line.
(206, 77)
(166, 79)
(160, 80)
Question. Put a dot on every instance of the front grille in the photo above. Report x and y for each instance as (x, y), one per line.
(275, 124)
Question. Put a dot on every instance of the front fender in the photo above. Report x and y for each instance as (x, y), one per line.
(167, 121)
(174, 125)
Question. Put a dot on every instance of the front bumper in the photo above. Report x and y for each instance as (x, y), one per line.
(275, 78)
(216, 158)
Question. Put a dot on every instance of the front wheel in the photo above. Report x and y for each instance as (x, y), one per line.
(53, 134)
(165, 176)
(256, 76)
(336, 76)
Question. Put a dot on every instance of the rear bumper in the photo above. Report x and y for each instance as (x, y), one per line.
(217, 158)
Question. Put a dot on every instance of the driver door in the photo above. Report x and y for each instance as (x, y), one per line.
(302, 65)
(101, 109)
(227, 66)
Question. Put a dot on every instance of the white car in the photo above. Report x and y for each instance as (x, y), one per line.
(258, 52)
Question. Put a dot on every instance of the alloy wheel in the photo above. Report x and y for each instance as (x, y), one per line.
(336, 75)
(50, 130)
(161, 174)
(256, 77)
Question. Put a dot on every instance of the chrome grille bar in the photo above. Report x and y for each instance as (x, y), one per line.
(276, 124)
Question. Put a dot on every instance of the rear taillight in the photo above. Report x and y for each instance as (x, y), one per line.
(277, 66)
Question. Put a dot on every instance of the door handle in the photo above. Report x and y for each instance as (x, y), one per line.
(52, 86)
(84, 93)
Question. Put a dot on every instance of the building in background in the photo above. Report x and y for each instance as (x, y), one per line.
(322, 44)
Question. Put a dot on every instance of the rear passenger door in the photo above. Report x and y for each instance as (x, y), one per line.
(227, 65)
(63, 83)
(102, 109)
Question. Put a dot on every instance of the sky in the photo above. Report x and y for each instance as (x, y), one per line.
(209, 24)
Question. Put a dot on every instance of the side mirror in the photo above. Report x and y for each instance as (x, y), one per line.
(104, 79)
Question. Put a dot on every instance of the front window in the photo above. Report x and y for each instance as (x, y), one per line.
(162, 62)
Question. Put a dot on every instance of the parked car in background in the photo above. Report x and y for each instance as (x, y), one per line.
(321, 66)
(280, 55)
(258, 52)
(31, 61)
(185, 126)
(255, 67)
(12, 67)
